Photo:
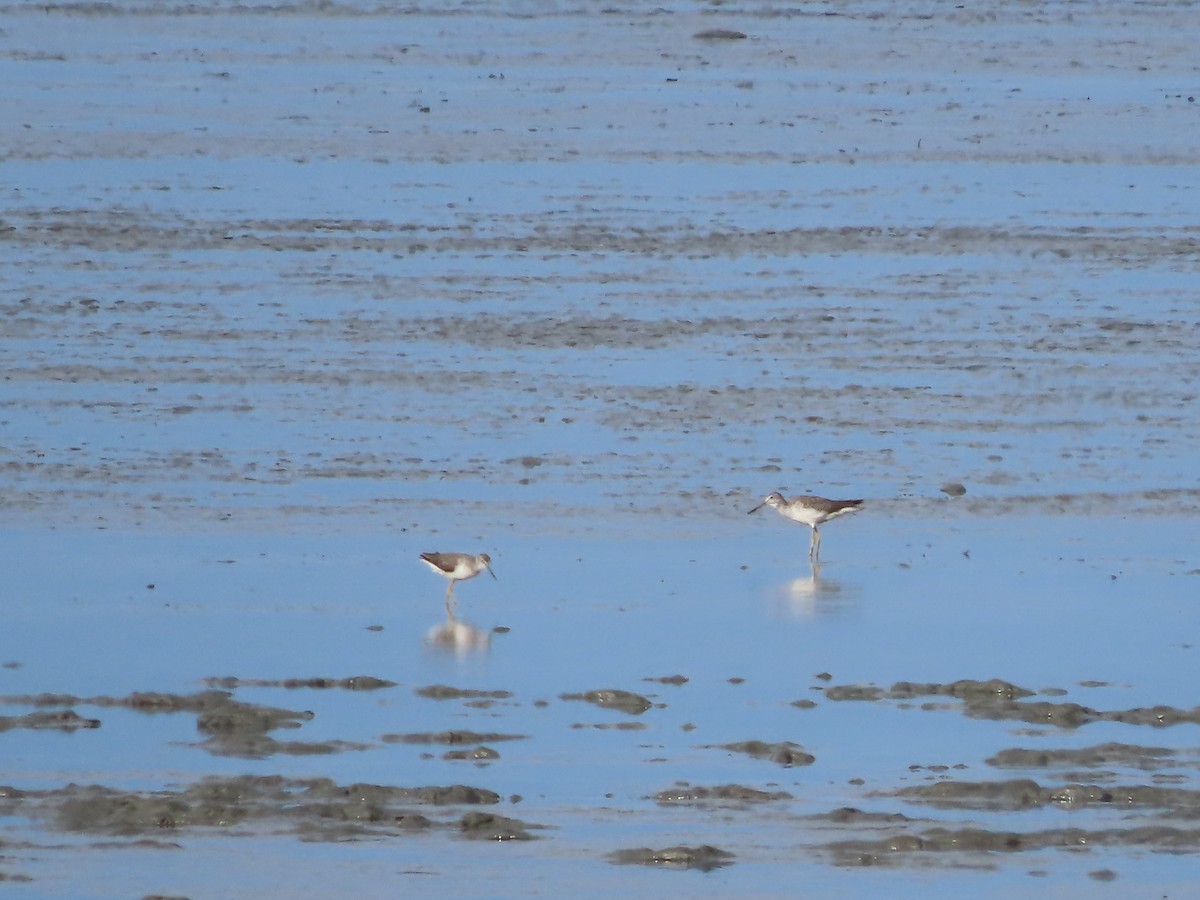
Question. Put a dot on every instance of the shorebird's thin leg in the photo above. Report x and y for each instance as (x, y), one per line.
(814, 549)
(450, 601)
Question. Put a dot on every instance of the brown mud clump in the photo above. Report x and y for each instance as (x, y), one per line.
(451, 738)
(1001, 701)
(315, 809)
(724, 794)
(232, 728)
(907, 848)
(1024, 793)
(785, 752)
(1110, 754)
(482, 826)
(705, 857)
(443, 692)
(64, 720)
(480, 754)
(354, 683)
(622, 701)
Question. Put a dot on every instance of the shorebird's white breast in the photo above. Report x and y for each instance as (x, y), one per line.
(803, 514)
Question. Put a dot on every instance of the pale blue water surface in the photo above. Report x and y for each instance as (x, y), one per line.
(289, 295)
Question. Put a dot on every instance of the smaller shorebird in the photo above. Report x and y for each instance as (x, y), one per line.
(457, 567)
(810, 511)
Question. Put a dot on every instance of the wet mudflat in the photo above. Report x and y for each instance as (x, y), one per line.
(291, 294)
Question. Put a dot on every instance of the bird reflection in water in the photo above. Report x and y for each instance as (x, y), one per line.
(812, 594)
(462, 638)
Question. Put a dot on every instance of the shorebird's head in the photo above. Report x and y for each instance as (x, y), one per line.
(487, 563)
(773, 500)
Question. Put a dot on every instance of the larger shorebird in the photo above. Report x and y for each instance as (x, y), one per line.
(810, 511)
(457, 567)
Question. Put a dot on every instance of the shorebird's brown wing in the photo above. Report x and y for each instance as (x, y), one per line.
(442, 561)
(830, 507)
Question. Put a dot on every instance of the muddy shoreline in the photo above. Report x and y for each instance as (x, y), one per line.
(900, 829)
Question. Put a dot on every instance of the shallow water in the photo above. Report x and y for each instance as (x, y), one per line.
(333, 285)
(1069, 612)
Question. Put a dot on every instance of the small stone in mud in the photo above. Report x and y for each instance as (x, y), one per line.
(1103, 875)
(488, 827)
(622, 701)
(705, 857)
(953, 489)
(804, 704)
(785, 752)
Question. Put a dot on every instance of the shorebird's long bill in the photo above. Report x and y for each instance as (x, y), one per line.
(490, 572)
(757, 508)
